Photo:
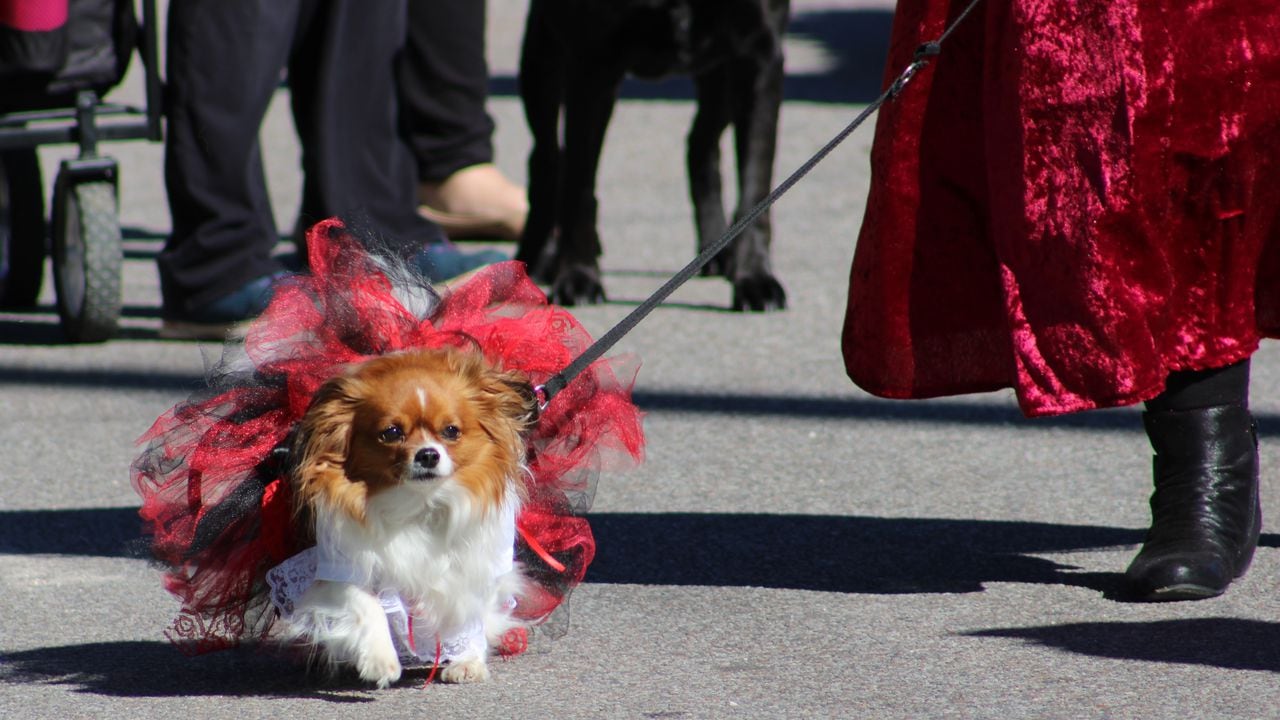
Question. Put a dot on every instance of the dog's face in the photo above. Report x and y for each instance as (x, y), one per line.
(417, 419)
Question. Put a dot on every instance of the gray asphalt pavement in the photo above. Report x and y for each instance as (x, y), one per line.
(791, 547)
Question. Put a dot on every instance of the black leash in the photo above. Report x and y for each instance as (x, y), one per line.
(557, 382)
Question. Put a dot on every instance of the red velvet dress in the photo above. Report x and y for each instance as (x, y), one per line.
(1073, 200)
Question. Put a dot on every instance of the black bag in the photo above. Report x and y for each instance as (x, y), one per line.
(45, 68)
(33, 40)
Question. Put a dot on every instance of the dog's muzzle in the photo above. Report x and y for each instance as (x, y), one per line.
(426, 464)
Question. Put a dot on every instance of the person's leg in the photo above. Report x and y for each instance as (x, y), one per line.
(223, 63)
(1205, 512)
(342, 80)
(1192, 390)
(444, 85)
(356, 164)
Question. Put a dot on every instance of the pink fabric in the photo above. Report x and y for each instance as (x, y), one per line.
(33, 15)
(1073, 200)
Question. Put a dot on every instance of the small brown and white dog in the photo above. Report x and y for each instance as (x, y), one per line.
(410, 467)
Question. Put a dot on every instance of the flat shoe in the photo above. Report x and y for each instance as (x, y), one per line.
(471, 227)
(475, 202)
(226, 317)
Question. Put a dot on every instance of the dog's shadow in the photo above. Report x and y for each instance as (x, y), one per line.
(835, 554)
(156, 669)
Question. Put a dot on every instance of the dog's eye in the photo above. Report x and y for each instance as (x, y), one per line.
(391, 435)
(450, 432)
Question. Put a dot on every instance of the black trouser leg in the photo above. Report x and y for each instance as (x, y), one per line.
(1192, 389)
(355, 164)
(444, 83)
(223, 63)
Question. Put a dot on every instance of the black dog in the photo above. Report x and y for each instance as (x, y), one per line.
(576, 54)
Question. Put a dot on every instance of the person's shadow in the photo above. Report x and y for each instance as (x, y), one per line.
(1221, 642)
(838, 554)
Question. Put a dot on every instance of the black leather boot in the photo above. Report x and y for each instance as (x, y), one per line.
(1205, 516)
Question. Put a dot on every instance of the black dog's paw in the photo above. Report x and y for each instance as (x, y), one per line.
(542, 273)
(539, 257)
(577, 285)
(758, 293)
(717, 266)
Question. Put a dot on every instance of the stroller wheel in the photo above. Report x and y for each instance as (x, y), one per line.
(22, 229)
(87, 258)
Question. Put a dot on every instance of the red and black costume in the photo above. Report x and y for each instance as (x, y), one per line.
(213, 474)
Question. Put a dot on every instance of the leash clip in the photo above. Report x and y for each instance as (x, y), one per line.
(929, 49)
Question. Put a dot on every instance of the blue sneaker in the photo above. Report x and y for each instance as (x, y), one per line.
(443, 261)
(227, 314)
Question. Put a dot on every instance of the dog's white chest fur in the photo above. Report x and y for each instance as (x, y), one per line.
(446, 562)
(442, 573)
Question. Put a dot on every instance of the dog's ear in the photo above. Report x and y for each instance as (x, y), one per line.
(517, 399)
(512, 397)
(324, 436)
(325, 432)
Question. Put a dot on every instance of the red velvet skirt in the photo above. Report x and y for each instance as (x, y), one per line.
(1073, 200)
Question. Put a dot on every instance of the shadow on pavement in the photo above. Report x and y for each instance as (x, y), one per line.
(1232, 643)
(947, 411)
(843, 554)
(92, 532)
(105, 378)
(962, 412)
(847, 554)
(800, 552)
(157, 669)
(938, 411)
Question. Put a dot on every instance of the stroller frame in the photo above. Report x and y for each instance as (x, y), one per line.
(83, 228)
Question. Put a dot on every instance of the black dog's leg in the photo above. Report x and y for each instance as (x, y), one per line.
(590, 94)
(758, 91)
(542, 75)
(703, 162)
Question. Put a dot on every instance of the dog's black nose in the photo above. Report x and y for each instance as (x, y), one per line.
(427, 458)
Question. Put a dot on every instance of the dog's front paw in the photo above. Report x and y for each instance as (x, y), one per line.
(758, 293)
(577, 285)
(717, 266)
(379, 665)
(466, 671)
